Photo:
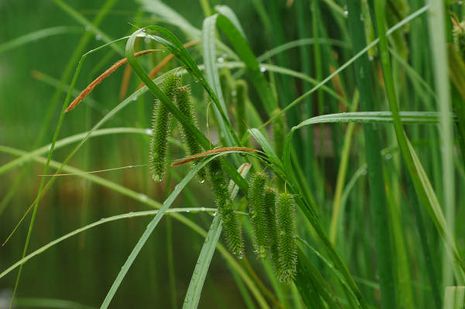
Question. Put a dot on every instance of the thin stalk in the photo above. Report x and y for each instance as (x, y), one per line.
(341, 175)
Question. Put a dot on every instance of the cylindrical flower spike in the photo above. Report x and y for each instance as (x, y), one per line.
(287, 246)
(270, 214)
(185, 106)
(257, 212)
(160, 129)
(231, 224)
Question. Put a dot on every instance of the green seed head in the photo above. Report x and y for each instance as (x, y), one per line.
(160, 129)
(183, 99)
(257, 212)
(270, 214)
(232, 232)
(287, 247)
(231, 224)
(459, 38)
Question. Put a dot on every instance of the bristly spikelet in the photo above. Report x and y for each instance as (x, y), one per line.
(184, 102)
(232, 231)
(270, 214)
(231, 224)
(285, 215)
(160, 129)
(257, 213)
(241, 100)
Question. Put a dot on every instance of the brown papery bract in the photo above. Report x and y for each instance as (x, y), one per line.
(209, 153)
(84, 93)
(117, 65)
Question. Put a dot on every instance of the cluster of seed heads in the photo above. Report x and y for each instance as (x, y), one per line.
(161, 126)
(272, 215)
(273, 221)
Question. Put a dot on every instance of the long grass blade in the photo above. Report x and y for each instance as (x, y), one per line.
(437, 23)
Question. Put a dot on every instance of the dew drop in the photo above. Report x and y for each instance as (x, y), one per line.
(148, 131)
(262, 69)
(220, 60)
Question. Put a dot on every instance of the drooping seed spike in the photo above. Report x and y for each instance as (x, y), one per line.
(160, 129)
(287, 247)
(218, 181)
(183, 99)
(232, 231)
(270, 214)
(231, 224)
(257, 213)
